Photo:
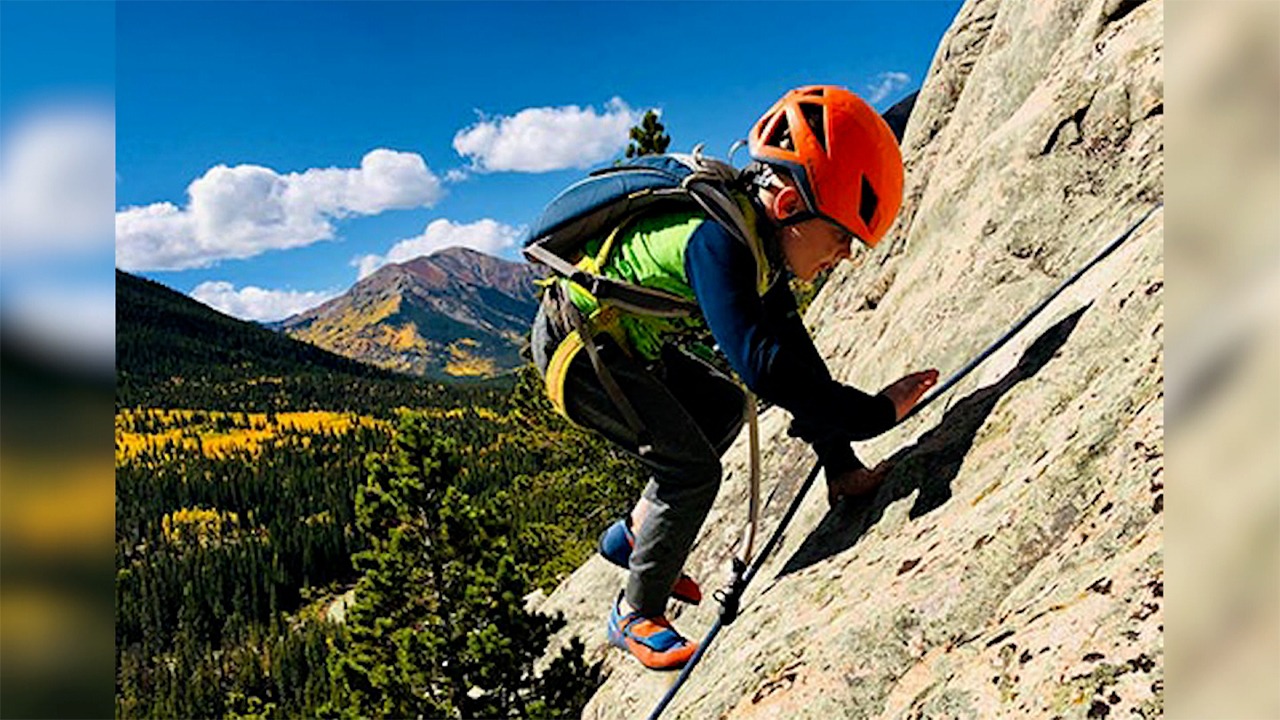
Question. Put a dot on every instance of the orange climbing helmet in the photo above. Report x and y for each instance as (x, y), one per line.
(842, 155)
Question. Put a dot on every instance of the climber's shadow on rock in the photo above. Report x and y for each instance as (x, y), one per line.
(932, 463)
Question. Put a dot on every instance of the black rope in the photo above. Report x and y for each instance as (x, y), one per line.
(730, 600)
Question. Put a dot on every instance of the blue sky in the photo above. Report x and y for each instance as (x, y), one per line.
(267, 153)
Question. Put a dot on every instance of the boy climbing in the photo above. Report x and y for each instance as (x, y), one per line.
(826, 170)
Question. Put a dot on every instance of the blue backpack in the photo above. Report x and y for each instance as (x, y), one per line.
(609, 197)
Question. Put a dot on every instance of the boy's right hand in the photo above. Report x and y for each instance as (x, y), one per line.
(905, 393)
(857, 483)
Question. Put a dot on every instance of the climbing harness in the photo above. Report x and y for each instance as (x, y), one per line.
(742, 574)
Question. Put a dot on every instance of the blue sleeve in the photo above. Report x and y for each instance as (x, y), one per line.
(766, 343)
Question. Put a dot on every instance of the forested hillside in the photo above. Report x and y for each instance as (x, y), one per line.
(174, 352)
(279, 552)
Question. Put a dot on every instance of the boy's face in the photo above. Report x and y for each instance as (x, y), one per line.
(814, 246)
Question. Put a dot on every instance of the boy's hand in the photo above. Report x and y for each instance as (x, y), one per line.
(855, 483)
(905, 393)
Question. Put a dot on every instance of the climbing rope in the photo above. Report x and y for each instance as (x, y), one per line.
(732, 595)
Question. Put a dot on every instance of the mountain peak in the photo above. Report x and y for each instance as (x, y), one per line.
(455, 312)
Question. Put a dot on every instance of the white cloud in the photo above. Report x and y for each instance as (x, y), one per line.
(488, 236)
(887, 83)
(243, 211)
(57, 180)
(456, 175)
(544, 139)
(255, 303)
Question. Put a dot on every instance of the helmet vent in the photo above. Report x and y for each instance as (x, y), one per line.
(868, 203)
(781, 135)
(813, 116)
(814, 91)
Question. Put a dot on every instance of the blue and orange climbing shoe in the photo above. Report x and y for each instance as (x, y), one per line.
(616, 544)
(652, 641)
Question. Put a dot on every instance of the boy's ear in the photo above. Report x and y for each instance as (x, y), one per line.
(787, 202)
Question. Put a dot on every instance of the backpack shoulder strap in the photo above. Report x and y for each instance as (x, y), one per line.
(708, 182)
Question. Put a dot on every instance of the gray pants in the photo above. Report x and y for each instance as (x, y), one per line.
(692, 413)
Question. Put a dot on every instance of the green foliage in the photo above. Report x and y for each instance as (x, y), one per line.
(649, 137)
(202, 629)
(231, 627)
(235, 626)
(439, 628)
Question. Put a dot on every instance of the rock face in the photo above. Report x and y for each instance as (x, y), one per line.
(1011, 565)
(455, 313)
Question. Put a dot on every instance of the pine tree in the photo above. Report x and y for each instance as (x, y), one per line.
(439, 628)
(649, 137)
